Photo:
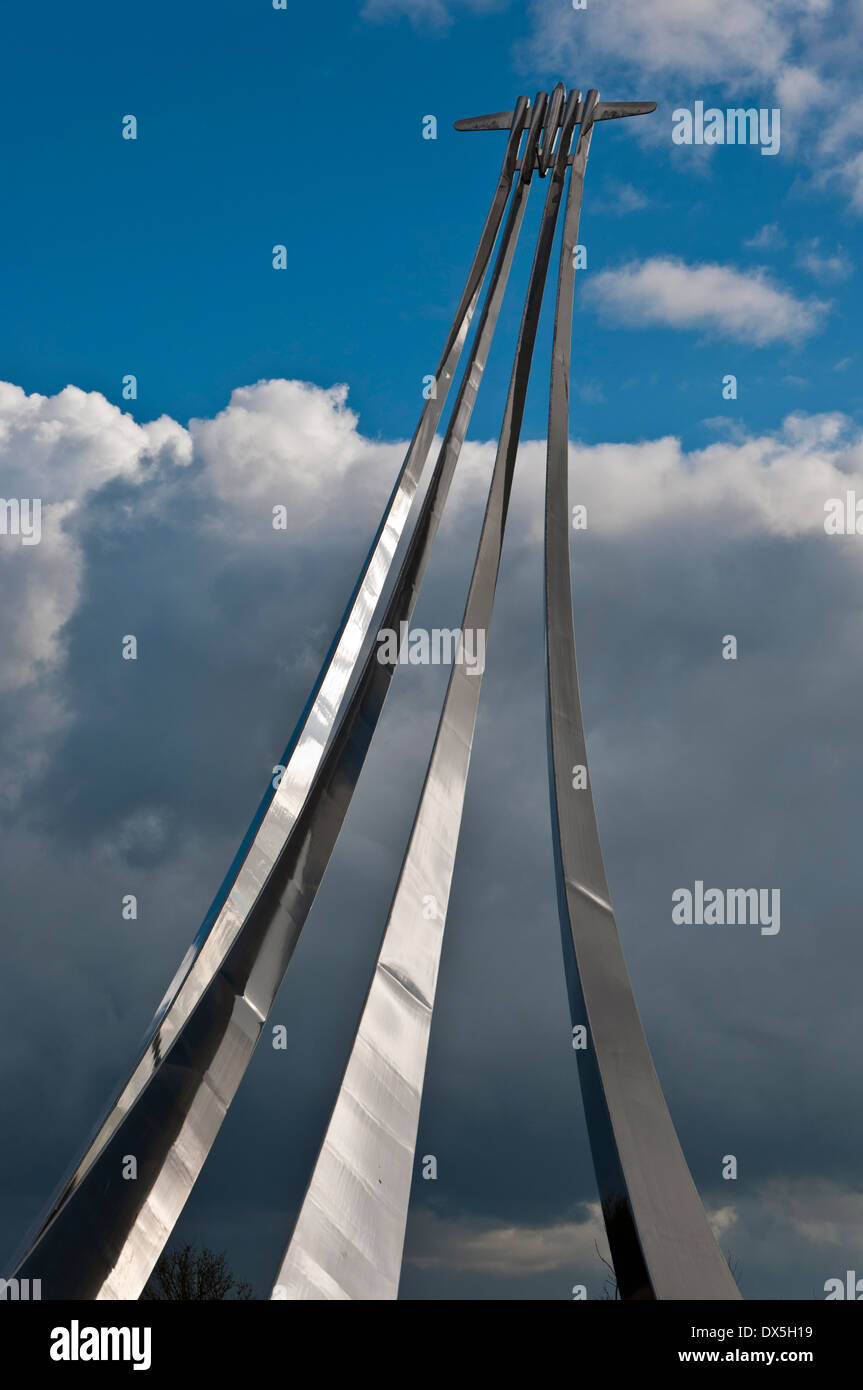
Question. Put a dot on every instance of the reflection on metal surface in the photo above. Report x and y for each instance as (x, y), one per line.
(102, 1234)
(207, 1025)
(348, 1239)
(661, 1241)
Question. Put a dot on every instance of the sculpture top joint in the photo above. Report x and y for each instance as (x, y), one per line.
(546, 116)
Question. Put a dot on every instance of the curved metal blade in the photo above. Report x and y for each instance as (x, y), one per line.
(661, 1241)
(171, 1109)
(550, 126)
(349, 1235)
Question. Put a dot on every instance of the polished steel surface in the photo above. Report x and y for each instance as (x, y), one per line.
(348, 1239)
(550, 127)
(660, 1238)
(102, 1234)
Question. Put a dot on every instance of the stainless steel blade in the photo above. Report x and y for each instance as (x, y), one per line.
(349, 1235)
(661, 1241)
(206, 1028)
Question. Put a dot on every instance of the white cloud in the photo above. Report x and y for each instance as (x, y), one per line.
(485, 1248)
(289, 442)
(294, 443)
(850, 174)
(845, 127)
(516, 1251)
(801, 55)
(799, 89)
(58, 449)
(822, 1212)
(61, 447)
(722, 1220)
(282, 442)
(619, 199)
(697, 39)
(825, 266)
(745, 305)
(771, 484)
(300, 443)
(768, 238)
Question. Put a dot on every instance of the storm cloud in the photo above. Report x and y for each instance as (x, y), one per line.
(140, 777)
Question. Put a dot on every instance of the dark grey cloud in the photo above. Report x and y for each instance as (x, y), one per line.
(741, 773)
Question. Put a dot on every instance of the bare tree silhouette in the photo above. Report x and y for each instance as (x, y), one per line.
(187, 1274)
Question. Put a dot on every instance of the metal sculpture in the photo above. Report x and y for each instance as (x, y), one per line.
(102, 1235)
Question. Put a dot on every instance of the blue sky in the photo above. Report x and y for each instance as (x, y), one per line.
(257, 387)
(258, 126)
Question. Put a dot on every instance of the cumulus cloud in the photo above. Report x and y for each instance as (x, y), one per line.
(697, 766)
(288, 441)
(64, 450)
(58, 449)
(292, 444)
(773, 484)
(744, 305)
